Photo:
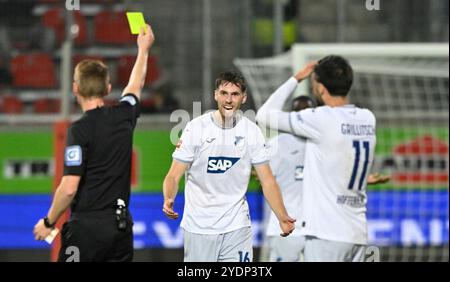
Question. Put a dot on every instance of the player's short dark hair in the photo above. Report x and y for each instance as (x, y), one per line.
(92, 77)
(231, 77)
(302, 102)
(336, 74)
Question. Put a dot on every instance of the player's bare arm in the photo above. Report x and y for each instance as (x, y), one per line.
(63, 198)
(170, 187)
(273, 196)
(271, 113)
(377, 178)
(145, 41)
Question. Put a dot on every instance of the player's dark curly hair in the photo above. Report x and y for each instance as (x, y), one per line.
(336, 74)
(231, 77)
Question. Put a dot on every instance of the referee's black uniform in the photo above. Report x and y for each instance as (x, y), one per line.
(99, 149)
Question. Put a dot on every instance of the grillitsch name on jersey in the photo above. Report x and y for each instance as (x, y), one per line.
(358, 129)
(220, 164)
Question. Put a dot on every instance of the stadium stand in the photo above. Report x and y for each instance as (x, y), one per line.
(54, 19)
(11, 105)
(107, 23)
(35, 70)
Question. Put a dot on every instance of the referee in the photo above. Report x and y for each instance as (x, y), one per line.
(97, 165)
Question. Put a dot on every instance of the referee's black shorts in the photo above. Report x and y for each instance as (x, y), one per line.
(96, 238)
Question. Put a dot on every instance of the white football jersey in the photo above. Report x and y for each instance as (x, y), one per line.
(287, 155)
(339, 155)
(217, 179)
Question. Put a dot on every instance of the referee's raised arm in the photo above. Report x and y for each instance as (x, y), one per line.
(137, 78)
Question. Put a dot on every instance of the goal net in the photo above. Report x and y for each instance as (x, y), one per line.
(406, 86)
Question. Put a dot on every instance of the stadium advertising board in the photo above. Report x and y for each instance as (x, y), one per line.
(393, 219)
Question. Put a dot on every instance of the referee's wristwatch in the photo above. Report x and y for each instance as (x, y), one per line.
(47, 223)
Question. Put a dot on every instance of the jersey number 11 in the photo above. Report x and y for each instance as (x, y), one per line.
(357, 147)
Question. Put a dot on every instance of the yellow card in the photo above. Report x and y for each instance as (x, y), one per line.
(136, 21)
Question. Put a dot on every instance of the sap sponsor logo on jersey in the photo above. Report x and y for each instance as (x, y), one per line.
(220, 164)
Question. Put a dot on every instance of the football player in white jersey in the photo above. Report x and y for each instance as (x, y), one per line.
(287, 155)
(216, 151)
(339, 153)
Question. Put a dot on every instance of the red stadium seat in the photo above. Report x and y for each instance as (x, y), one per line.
(11, 105)
(112, 28)
(33, 71)
(125, 66)
(54, 19)
(47, 106)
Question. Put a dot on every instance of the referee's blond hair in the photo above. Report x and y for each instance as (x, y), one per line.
(92, 78)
